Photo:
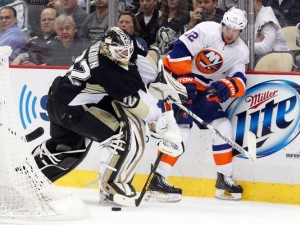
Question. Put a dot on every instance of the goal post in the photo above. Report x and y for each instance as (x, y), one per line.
(24, 190)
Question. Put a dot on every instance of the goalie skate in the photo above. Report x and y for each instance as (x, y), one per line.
(161, 191)
(227, 188)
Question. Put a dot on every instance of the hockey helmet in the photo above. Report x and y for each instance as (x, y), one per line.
(119, 43)
(235, 18)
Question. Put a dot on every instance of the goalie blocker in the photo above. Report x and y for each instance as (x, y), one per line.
(168, 89)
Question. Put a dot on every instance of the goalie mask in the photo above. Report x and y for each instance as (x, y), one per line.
(117, 45)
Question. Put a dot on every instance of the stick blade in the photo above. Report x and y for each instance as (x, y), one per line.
(123, 200)
(34, 134)
(251, 141)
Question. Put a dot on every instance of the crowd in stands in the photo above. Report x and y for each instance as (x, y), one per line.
(269, 35)
(10, 34)
(36, 49)
(61, 29)
(95, 24)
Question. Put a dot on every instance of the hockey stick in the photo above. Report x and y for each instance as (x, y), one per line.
(251, 138)
(30, 136)
(135, 202)
(34, 134)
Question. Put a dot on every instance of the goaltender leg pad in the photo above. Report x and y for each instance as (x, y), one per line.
(165, 87)
(121, 154)
(57, 163)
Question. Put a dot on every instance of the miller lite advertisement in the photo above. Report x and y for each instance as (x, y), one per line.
(271, 110)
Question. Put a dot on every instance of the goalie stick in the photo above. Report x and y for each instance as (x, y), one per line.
(251, 138)
(135, 202)
(34, 134)
(30, 136)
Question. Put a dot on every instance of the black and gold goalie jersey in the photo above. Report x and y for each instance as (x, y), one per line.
(93, 76)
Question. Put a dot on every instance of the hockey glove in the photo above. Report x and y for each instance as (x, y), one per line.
(166, 88)
(221, 90)
(190, 86)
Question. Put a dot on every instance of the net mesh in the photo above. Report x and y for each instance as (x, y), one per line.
(24, 190)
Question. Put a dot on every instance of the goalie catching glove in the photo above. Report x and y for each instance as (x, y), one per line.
(167, 132)
(167, 89)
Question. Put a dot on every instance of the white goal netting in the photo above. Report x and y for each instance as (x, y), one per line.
(24, 191)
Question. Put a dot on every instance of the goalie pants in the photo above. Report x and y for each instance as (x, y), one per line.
(69, 125)
(71, 129)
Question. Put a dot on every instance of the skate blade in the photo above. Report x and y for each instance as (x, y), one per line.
(155, 196)
(225, 195)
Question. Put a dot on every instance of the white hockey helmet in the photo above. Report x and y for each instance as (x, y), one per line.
(119, 44)
(235, 18)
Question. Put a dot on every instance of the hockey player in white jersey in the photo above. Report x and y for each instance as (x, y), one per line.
(210, 60)
(102, 99)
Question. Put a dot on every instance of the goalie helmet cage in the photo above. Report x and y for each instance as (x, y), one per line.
(24, 191)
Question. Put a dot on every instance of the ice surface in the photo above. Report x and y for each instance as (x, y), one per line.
(190, 211)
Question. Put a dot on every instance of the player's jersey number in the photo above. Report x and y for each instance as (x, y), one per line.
(192, 36)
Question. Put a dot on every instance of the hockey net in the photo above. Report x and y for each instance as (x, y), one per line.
(24, 191)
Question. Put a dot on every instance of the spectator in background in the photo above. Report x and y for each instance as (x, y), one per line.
(190, 4)
(95, 25)
(35, 8)
(11, 35)
(82, 4)
(227, 4)
(53, 4)
(19, 9)
(36, 50)
(147, 17)
(205, 10)
(132, 6)
(269, 35)
(68, 45)
(127, 21)
(71, 8)
(290, 9)
(171, 24)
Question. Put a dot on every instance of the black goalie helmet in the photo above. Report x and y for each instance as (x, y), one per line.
(119, 44)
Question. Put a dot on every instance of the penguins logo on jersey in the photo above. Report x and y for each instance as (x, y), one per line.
(208, 61)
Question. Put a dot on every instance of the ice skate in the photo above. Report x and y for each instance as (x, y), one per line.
(161, 191)
(227, 188)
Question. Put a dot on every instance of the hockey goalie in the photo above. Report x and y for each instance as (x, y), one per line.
(103, 99)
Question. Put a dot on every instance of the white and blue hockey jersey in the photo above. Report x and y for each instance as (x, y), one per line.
(202, 54)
